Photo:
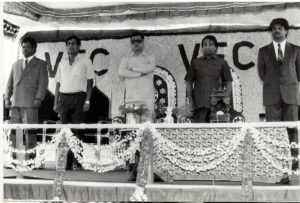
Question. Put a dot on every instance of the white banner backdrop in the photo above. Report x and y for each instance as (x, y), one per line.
(241, 46)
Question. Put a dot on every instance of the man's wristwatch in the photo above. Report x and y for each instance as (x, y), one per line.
(87, 102)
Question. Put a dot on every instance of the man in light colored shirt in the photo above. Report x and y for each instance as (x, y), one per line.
(138, 70)
(279, 69)
(26, 88)
(74, 83)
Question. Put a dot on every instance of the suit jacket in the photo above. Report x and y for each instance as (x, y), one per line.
(24, 86)
(280, 80)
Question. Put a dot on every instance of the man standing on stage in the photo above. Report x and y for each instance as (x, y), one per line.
(279, 69)
(74, 83)
(26, 88)
(138, 70)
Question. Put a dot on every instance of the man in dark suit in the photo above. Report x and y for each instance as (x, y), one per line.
(26, 88)
(279, 69)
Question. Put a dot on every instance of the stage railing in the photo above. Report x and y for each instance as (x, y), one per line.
(60, 168)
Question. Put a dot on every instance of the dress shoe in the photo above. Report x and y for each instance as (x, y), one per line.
(285, 181)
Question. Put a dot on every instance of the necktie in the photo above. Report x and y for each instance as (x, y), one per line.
(26, 61)
(280, 55)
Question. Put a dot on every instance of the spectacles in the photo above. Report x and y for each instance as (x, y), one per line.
(136, 41)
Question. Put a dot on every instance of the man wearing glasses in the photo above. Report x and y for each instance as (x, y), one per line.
(137, 71)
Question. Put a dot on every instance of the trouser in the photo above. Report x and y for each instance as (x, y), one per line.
(25, 115)
(71, 111)
(285, 112)
(201, 115)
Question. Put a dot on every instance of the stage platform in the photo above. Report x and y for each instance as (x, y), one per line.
(113, 186)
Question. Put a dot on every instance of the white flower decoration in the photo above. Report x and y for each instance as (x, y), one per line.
(158, 82)
(162, 90)
(162, 101)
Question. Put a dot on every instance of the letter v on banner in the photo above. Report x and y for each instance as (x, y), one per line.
(52, 72)
(184, 56)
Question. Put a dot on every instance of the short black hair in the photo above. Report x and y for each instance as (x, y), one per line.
(137, 34)
(31, 41)
(281, 21)
(210, 37)
(78, 41)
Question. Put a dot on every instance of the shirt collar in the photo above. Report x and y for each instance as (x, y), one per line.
(282, 44)
(142, 54)
(214, 56)
(66, 57)
(29, 58)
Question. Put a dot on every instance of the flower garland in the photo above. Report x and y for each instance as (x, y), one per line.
(247, 170)
(60, 167)
(24, 165)
(166, 148)
(21, 165)
(77, 146)
(139, 195)
(268, 154)
(142, 171)
(195, 159)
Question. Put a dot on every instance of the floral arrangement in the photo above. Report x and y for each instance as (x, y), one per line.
(134, 109)
(177, 112)
(160, 111)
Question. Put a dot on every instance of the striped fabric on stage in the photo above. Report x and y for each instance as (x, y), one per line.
(106, 13)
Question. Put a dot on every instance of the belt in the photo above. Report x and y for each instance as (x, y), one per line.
(72, 93)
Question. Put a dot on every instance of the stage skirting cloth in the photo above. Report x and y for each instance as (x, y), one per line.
(91, 191)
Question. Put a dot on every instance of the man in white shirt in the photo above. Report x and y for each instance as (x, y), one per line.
(74, 83)
(26, 88)
(137, 71)
(279, 69)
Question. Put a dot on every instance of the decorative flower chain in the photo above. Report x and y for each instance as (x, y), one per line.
(207, 160)
(272, 157)
(77, 147)
(139, 195)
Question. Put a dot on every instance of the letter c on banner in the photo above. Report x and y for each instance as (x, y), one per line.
(235, 55)
(98, 51)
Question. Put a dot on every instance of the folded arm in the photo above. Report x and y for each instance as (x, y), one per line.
(125, 72)
(146, 68)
